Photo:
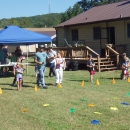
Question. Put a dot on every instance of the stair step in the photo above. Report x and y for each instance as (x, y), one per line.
(107, 65)
(104, 62)
(112, 68)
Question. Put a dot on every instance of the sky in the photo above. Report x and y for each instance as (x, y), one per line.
(26, 8)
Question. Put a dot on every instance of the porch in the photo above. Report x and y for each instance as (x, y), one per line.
(110, 61)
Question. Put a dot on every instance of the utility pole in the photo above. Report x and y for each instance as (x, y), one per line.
(49, 7)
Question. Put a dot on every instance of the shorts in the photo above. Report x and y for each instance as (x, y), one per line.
(19, 77)
(92, 72)
(126, 72)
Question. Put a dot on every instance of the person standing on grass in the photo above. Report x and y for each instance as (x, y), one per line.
(60, 66)
(51, 55)
(90, 67)
(19, 76)
(124, 56)
(125, 68)
(5, 50)
(40, 59)
(14, 71)
(2, 56)
(19, 52)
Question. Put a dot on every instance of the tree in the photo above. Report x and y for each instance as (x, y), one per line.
(13, 21)
(87, 4)
(71, 12)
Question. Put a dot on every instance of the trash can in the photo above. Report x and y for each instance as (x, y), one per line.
(74, 65)
(68, 65)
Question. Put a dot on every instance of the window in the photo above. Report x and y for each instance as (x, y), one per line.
(75, 35)
(96, 33)
(128, 30)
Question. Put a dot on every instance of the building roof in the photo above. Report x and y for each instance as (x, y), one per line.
(45, 31)
(108, 12)
(48, 33)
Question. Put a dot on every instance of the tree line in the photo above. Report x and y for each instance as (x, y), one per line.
(53, 19)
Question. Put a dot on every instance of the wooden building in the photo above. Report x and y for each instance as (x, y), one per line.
(100, 25)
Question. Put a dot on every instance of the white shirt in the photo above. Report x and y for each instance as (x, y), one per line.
(51, 54)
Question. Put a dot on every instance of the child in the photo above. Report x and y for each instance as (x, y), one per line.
(14, 70)
(60, 66)
(125, 67)
(90, 66)
(19, 76)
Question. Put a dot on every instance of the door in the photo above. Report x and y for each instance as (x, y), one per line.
(111, 35)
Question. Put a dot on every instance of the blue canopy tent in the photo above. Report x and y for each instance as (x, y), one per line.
(14, 35)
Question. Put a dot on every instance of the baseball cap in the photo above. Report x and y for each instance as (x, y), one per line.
(41, 46)
(124, 54)
(50, 46)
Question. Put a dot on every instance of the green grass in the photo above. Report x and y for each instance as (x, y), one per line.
(57, 116)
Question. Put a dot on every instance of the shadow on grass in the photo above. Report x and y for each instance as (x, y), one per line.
(27, 86)
(30, 82)
(110, 78)
(5, 84)
(80, 80)
(50, 84)
(7, 89)
(15, 86)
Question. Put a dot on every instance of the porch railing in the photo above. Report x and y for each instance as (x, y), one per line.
(109, 49)
(79, 53)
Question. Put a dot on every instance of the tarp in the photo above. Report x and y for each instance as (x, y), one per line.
(14, 35)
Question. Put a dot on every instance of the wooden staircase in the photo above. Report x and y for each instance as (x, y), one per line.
(106, 64)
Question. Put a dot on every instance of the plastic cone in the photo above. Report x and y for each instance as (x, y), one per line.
(35, 88)
(113, 81)
(128, 80)
(82, 83)
(0, 91)
(97, 82)
(59, 85)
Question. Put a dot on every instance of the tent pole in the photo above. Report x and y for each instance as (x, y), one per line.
(27, 60)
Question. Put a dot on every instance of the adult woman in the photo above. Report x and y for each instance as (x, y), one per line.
(18, 52)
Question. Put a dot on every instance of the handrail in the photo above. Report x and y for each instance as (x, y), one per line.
(107, 52)
(92, 50)
(85, 50)
(112, 50)
(98, 56)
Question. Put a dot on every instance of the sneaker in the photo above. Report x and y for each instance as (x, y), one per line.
(49, 76)
(14, 85)
(39, 85)
(56, 84)
(45, 87)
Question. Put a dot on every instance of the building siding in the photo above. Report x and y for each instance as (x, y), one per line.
(60, 38)
(86, 34)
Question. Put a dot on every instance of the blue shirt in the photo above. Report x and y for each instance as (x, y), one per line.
(41, 57)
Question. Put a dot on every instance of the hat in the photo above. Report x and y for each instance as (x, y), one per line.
(50, 46)
(124, 54)
(41, 46)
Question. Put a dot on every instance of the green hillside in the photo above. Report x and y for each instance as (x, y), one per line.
(38, 21)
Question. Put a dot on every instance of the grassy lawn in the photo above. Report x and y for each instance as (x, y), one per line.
(57, 115)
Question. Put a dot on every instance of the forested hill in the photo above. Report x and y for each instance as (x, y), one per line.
(47, 20)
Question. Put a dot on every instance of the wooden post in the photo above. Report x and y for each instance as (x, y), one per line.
(87, 53)
(98, 58)
(117, 60)
(106, 51)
